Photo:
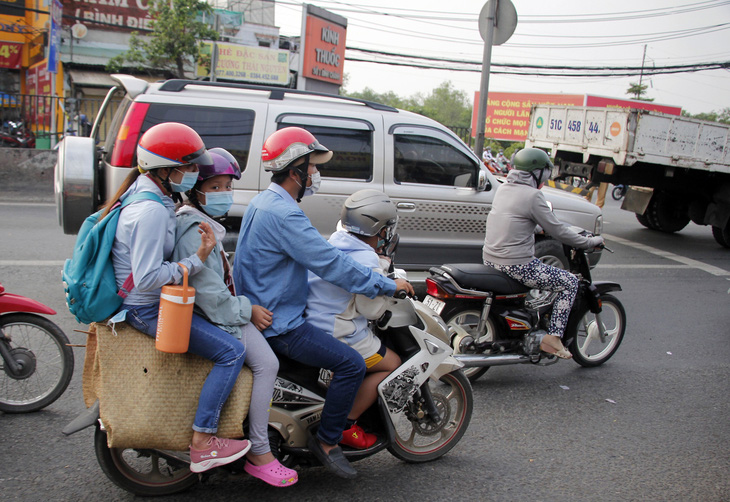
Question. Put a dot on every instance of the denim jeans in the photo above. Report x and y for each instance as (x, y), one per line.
(312, 346)
(210, 342)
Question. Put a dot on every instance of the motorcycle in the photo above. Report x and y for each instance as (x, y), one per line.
(37, 361)
(423, 409)
(15, 134)
(619, 192)
(495, 318)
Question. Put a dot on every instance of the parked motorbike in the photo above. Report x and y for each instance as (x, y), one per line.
(424, 408)
(619, 192)
(495, 318)
(37, 361)
(15, 134)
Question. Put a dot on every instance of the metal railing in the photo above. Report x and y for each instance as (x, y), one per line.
(47, 118)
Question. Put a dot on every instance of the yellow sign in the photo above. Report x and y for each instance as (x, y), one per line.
(246, 63)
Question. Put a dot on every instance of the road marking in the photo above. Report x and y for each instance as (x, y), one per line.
(32, 263)
(49, 204)
(710, 269)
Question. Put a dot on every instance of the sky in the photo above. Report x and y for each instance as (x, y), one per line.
(552, 33)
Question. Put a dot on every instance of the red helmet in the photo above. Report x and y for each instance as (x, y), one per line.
(223, 163)
(287, 145)
(171, 144)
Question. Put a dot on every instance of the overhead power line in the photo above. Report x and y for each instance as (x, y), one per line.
(414, 61)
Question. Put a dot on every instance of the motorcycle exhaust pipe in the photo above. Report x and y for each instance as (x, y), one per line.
(482, 360)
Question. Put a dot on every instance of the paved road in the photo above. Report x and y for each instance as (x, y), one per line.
(539, 433)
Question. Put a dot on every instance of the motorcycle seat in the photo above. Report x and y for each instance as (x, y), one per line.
(483, 278)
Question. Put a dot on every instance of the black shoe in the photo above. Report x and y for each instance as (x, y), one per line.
(335, 461)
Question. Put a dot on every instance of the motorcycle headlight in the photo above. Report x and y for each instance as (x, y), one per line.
(598, 227)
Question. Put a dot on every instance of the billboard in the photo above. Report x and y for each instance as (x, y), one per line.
(248, 64)
(117, 15)
(508, 113)
(324, 50)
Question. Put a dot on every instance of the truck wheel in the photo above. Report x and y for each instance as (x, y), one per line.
(722, 236)
(644, 220)
(668, 215)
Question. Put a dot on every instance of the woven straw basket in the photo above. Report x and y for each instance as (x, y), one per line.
(148, 398)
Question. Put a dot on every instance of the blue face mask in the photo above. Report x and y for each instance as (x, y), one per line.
(217, 203)
(188, 182)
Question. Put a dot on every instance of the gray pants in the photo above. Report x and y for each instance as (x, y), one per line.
(264, 365)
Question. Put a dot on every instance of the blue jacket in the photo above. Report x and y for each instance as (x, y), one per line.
(277, 244)
(143, 245)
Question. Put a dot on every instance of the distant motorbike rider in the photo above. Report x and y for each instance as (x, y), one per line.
(509, 244)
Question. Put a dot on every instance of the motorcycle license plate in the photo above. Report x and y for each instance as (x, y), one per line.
(434, 304)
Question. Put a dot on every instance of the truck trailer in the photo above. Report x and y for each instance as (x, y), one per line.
(677, 168)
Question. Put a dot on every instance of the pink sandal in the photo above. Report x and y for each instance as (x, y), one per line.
(273, 473)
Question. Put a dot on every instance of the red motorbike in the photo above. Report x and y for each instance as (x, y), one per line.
(37, 361)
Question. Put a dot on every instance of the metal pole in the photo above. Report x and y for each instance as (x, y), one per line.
(641, 74)
(214, 52)
(484, 87)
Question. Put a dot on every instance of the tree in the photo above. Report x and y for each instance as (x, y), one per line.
(448, 105)
(174, 41)
(638, 90)
(723, 116)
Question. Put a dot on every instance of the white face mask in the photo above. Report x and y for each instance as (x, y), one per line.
(314, 187)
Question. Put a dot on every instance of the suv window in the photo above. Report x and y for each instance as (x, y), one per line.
(229, 128)
(427, 160)
(353, 150)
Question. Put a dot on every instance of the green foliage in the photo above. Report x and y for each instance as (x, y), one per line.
(444, 104)
(638, 90)
(722, 116)
(174, 41)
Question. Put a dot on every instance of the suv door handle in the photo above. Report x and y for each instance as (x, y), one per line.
(406, 206)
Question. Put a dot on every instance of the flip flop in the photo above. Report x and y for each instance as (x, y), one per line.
(556, 350)
(273, 473)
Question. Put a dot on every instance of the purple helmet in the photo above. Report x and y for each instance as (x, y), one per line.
(223, 163)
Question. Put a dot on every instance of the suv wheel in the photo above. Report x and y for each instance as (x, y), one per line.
(550, 252)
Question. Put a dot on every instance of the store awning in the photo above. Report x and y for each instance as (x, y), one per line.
(89, 78)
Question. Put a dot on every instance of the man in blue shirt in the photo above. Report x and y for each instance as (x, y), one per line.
(277, 245)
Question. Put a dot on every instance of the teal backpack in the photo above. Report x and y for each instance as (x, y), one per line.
(88, 276)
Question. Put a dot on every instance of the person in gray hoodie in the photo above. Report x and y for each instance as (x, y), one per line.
(509, 244)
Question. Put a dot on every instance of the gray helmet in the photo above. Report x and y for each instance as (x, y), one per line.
(366, 212)
(531, 159)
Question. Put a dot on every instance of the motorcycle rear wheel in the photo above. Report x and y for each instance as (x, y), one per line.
(466, 315)
(417, 442)
(42, 348)
(142, 472)
(586, 346)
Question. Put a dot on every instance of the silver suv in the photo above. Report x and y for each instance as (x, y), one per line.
(442, 190)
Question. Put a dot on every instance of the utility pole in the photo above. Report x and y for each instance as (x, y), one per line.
(641, 73)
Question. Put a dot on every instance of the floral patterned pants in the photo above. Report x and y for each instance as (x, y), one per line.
(536, 274)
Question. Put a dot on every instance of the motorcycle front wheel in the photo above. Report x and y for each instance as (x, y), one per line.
(586, 346)
(142, 472)
(467, 315)
(423, 440)
(46, 363)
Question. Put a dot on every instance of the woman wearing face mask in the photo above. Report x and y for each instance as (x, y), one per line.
(168, 157)
(509, 245)
(216, 300)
